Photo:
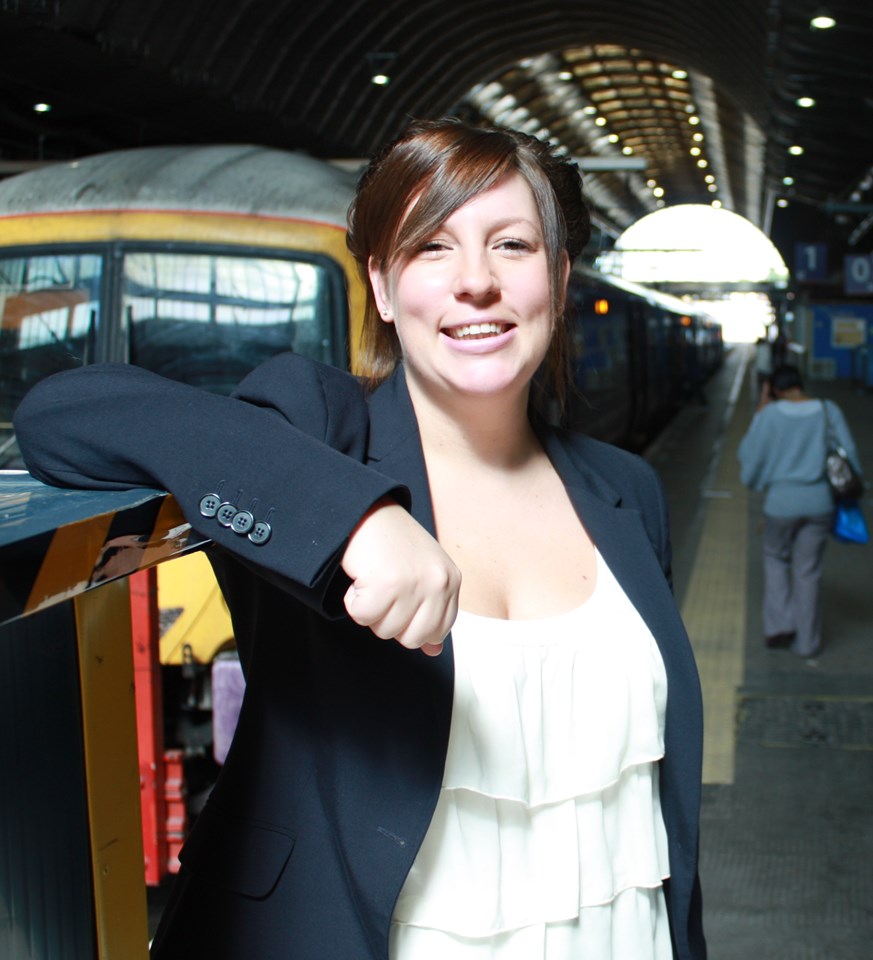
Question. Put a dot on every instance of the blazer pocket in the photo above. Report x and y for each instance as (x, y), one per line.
(244, 856)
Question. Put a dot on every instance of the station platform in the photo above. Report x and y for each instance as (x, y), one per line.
(786, 839)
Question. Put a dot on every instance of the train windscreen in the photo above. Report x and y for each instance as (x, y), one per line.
(202, 318)
(209, 319)
(49, 320)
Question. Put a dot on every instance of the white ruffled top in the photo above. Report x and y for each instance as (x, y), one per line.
(547, 842)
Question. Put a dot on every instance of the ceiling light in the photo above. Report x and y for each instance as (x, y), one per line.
(712, 188)
(679, 74)
(589, 110)
(651, 183)
(600, 121)
(42, 107)
(613, 138)
(709, 178)
(627, 151)
(565, 75)
(380, 66)
(822, 21)
(694, 121)
(788, 181)
(805, 102)
(702, 163)
(782, 202)
(716, 204)
(695, 151)
(658, 192)
(795, 150)
(698, 136)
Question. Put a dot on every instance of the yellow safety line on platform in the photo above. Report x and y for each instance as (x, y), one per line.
(714, 610)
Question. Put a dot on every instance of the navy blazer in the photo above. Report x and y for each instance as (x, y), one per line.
(336, 765)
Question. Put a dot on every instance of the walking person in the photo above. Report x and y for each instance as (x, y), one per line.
(783, 454)
(531, 788)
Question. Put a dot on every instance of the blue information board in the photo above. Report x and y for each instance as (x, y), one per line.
(839, 331)
(858, 273)
(810, 261)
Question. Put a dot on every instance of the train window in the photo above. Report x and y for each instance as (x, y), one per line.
(209, 319)
(49, 313)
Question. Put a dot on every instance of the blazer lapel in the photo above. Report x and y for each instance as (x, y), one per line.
(619, 535)
(394, 449)
(394, 446)
(621, 538)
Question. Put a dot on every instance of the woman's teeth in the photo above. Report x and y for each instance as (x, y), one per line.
(477, 331)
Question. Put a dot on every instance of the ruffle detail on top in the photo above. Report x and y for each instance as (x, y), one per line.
(548, 828)
(635, 926)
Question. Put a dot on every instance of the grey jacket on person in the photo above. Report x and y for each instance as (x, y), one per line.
(783, 454)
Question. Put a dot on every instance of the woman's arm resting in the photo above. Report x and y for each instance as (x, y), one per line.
(117, 426)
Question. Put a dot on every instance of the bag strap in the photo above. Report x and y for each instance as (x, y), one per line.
(832, 442)
(830, 439)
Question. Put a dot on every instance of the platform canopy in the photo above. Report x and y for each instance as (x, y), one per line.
(709, 255)
(694, 245)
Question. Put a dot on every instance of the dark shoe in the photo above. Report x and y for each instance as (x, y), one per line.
(776, 640)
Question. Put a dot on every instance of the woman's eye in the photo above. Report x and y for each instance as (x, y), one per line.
(513, 244)
(432, 246)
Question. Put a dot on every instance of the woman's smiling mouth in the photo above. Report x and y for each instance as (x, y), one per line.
(477, 331)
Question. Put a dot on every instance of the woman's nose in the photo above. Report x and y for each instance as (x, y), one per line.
(475, 277)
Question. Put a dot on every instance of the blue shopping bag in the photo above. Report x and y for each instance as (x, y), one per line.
(849, 523)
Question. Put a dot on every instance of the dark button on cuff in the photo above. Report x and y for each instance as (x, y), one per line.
(225, 514)
(242, 522)
(209, 505)
(260, 533)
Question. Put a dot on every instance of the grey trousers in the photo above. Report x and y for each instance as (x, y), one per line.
(793, 560)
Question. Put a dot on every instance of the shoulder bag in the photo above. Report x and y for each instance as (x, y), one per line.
(844, 482)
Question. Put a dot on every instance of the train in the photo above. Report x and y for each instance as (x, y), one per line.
(638, 354)
(199, 263)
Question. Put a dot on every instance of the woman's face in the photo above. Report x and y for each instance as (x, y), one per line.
(472, 306)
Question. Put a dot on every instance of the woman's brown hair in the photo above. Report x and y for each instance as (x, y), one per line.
(441, 164)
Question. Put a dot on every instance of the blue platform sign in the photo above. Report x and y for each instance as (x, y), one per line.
(810, 261)
(858, 273)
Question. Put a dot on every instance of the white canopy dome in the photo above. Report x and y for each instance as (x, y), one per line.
(695, 243)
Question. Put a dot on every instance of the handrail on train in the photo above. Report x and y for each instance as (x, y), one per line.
(67, 683)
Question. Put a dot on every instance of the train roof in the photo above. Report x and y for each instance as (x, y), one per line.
(242, 179)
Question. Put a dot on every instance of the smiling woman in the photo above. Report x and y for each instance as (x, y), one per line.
(472, 307)
(526, 789)
(411, 189)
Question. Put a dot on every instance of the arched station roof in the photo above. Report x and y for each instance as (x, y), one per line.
(604, 80)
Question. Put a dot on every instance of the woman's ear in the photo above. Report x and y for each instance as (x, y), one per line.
(565, 280)
(379, 283)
